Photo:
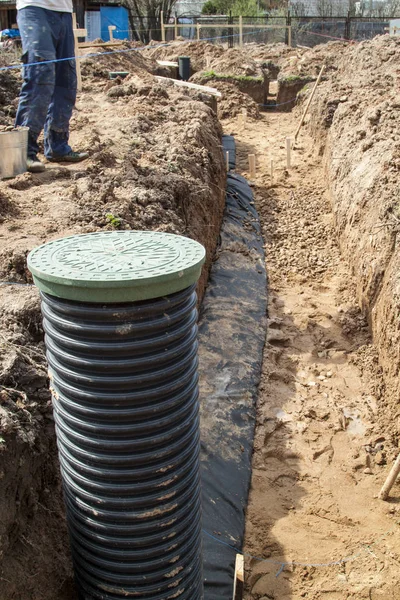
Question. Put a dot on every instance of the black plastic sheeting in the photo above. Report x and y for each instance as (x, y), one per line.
(232, 331)
(228, 143)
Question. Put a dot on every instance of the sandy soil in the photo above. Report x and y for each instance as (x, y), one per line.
(320, 456)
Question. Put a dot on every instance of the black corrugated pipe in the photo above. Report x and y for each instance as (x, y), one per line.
(125, 392)
(184, 67)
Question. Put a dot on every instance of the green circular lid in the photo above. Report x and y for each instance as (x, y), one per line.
(116, 266)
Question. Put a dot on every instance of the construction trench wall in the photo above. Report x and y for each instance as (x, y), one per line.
(356, 128)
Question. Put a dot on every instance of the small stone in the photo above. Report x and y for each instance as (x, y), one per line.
(380, 458)
(367, 471)
(329, 374)
(311, 383)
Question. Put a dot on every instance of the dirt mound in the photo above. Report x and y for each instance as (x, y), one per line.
(129, 58)
(274, 52)
(10, 83)
(355, 120)
(308, 63)
(201, 53)
(236, 62)
(233, 101)
(156, 164)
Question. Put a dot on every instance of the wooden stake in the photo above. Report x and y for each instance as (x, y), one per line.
(288, 144)
(162, 27)
(252, 165)
(244, 115)
(238, 584)
(198, 31)
(77, 34)
(309, 102)
(227, 161)
(176, 27)
(271, 164)
(290, 36)
(111, 28)
(391, 478)
(240, 31)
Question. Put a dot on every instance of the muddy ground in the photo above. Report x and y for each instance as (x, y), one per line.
(327, 425)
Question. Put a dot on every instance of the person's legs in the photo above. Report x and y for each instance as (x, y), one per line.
(38, 29)
(56, 132)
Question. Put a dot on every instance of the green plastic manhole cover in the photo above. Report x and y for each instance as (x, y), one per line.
(116, 266)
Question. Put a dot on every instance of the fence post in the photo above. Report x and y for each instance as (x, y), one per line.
(241, 31)
(347, 27)
(162, 27)
(198, 31)
(176, 26)
(230, 30)
(287, 35)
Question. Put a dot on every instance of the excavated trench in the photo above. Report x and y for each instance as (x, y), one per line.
(311, 336)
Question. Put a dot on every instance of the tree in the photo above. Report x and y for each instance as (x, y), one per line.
(145, 17)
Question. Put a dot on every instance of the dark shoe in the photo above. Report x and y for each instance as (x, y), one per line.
(72, 157)
(34, 165)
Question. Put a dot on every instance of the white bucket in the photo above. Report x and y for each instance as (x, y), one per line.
(13, 152)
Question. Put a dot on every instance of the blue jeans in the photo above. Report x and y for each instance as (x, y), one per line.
(48, 92)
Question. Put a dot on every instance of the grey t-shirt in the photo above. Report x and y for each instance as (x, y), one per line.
(57, 5)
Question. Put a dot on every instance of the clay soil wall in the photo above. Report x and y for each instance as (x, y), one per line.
(355, 123)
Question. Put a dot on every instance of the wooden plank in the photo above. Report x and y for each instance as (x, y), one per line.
(111, 29)
(252, 169)
(194, 86)
(391, 478)
(162, 26)
(238, 584)
(98, 45)
(167, 63)
(309, 102)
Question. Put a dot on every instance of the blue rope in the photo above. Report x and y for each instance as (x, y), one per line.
(94, 54)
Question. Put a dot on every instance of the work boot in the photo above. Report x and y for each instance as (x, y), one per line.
(34, 165)
(71, 157)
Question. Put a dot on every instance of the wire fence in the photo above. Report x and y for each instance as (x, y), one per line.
(305, 30)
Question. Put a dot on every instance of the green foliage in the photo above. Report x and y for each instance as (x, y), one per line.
(247, 8)
(214, 75)
(114, 221)
(217, 7)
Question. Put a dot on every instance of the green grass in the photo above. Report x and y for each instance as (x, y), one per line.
(114, 221)
(294, 78)
(222, 76)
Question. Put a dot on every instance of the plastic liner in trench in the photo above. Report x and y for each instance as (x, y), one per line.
(232, 331)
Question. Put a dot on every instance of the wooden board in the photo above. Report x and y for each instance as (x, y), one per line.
(194, 86)
(167, 63)
(238, 584)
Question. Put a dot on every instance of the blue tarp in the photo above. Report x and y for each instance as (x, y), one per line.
(116, 16)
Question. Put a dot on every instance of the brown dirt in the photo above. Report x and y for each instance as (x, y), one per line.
(200, 52)
(233, 101)
(155, 163)
(323, 444)
(328, 418)
(355, 122)
(10, 83)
